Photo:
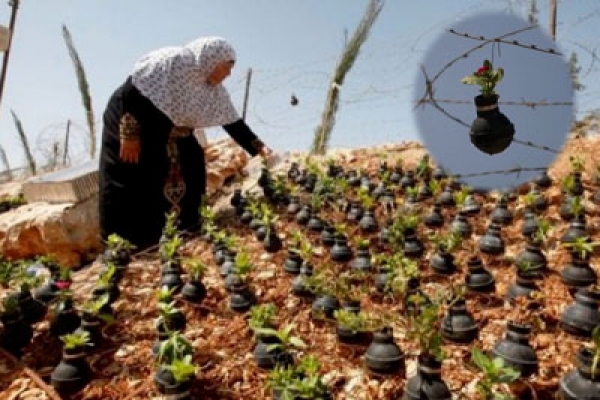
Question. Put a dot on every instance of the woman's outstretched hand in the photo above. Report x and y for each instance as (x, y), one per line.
(130, 150)
(265, 152)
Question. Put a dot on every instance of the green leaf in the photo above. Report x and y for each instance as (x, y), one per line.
(480, 359)
(266, 332)
(596, 350)
(498, 363)
(297, 342)
(502, 396)
(274, 346)
(508, 375)
(499, 74)
(472, 80)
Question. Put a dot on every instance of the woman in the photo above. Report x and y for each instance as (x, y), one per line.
(150, 162)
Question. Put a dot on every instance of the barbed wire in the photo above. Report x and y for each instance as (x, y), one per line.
(501, 40)
(537, 146)
(516, 170)
(530, 104)
(480, 46)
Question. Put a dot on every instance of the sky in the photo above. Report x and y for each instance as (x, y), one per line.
(291, 46)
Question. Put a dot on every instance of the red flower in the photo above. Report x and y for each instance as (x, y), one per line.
(481, 70)
(62, 285)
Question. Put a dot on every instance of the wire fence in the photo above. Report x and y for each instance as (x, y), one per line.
(377, 80)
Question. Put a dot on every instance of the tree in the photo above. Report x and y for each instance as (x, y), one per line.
(532, 15)
(24, 142)
(84, 88)
(574, 69)
(349, 55)
(4, 159)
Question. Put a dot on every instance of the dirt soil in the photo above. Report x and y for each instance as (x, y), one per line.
(123, 368)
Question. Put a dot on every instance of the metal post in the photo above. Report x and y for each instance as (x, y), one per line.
(13, 17)
(248, 78)
(66, 149)
(553, 19)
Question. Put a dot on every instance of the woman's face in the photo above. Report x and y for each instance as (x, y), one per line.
(220, 72)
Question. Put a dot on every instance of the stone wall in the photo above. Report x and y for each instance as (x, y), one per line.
(70, 232)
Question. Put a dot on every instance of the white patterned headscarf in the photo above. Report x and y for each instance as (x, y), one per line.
(174, 79)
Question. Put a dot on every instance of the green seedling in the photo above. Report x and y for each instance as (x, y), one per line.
(76, 340)
(262, 316)
(494, 372)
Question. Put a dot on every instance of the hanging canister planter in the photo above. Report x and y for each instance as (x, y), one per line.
(491, 132)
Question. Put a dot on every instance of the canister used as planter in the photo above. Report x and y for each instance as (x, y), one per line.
(384, 356)
(516, 351)
(461, 225)
(325, 305)
(501, 214)
(579, 383)
(294, 206)
(368, 223)
(471, 206)
(530, 223)
(72, 373)
(408, 180)
(427, 384)
(435, 219)
(439, 173)
(478, 278)
(328, 235)
(348, 336)
(523, 287)
(299, 287)
(442, 262)
(228, 265)
(491, 132)
(340, 252)
(194, 291)
(578, 274)
(362, 261)
(32, 309)
(268, 359)
(543, 180)
(577, 229)
(492, 243)
(303, 215)
(581, 318)
(272, 243)
(459, 325)
(446, 198)
(355, 213)
(424, 190)
(315, 223)
(168, 386)
(413, 247)
(532, 255)
(66, 320)
(241, 298)
(292, 263)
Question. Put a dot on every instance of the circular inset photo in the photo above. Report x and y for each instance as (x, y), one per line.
(493, 101)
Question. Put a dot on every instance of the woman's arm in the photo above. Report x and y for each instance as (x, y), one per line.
(243, 135)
